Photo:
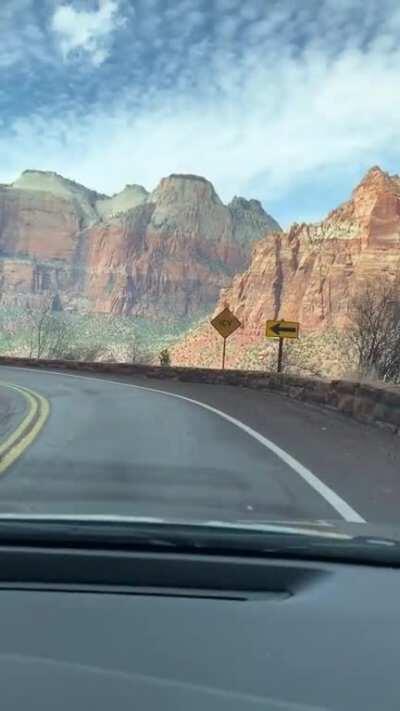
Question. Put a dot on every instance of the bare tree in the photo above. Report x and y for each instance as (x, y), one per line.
(60, 335)
(41, 329)
(9, 328)
(38, 317)
(137, 352)
(375, 329)
(49, 331)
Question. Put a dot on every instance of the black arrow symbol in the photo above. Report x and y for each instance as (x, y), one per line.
(279, 328)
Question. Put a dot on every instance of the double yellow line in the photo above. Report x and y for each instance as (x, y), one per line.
(27, 430)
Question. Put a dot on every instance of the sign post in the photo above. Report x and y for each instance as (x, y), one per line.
(282, 329)
(223, 354)
(225, 323)
(280, 355)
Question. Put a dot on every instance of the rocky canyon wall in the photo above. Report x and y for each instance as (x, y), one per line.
(309, 274)
(161, 254)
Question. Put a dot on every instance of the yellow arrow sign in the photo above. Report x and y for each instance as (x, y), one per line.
(226, 323)
(282, 329)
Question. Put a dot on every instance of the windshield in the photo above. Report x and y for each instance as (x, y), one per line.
(200, 263)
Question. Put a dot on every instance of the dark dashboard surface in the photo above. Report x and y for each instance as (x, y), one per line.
(187, 632)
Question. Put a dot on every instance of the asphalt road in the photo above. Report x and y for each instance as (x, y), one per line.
(110, 448)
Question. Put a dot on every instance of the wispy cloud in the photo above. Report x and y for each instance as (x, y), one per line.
(89, 31)
(21, 36)
(260, 97)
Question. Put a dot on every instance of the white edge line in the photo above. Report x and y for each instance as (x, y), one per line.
(342, 507)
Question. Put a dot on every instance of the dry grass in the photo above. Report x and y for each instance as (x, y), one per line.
(326, 355)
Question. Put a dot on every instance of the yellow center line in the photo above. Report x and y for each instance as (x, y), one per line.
(25, 433)
(33, 407)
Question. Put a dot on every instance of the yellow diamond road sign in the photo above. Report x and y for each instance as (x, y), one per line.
(226, 323)
(282, 329)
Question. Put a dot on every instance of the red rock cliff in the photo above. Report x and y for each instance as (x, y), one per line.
(310, 273)
(167, 253)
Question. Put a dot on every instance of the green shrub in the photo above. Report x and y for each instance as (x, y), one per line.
(165, 358)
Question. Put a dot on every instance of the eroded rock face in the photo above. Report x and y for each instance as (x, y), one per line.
(168, 252)
(248, 217)
(310, 273)
(172, 254)
(131, 196)
(37, 225)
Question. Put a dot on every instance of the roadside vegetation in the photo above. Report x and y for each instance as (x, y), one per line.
(44, 331)
(367, 349)
(375, 332)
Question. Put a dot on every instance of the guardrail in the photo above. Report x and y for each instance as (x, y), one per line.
(364, 402)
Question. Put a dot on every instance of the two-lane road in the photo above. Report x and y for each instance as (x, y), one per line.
(113, 447)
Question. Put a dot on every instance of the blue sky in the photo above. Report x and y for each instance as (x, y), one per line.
(288, 101)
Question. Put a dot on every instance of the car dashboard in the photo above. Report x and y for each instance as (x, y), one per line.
(117, 628)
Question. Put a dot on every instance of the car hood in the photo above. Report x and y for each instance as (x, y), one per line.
(362, 542)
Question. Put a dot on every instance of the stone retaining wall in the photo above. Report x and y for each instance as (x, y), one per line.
(380, 405)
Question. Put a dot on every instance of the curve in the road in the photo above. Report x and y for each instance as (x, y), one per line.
(331, 497)
(341, 506)
(28, 429)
